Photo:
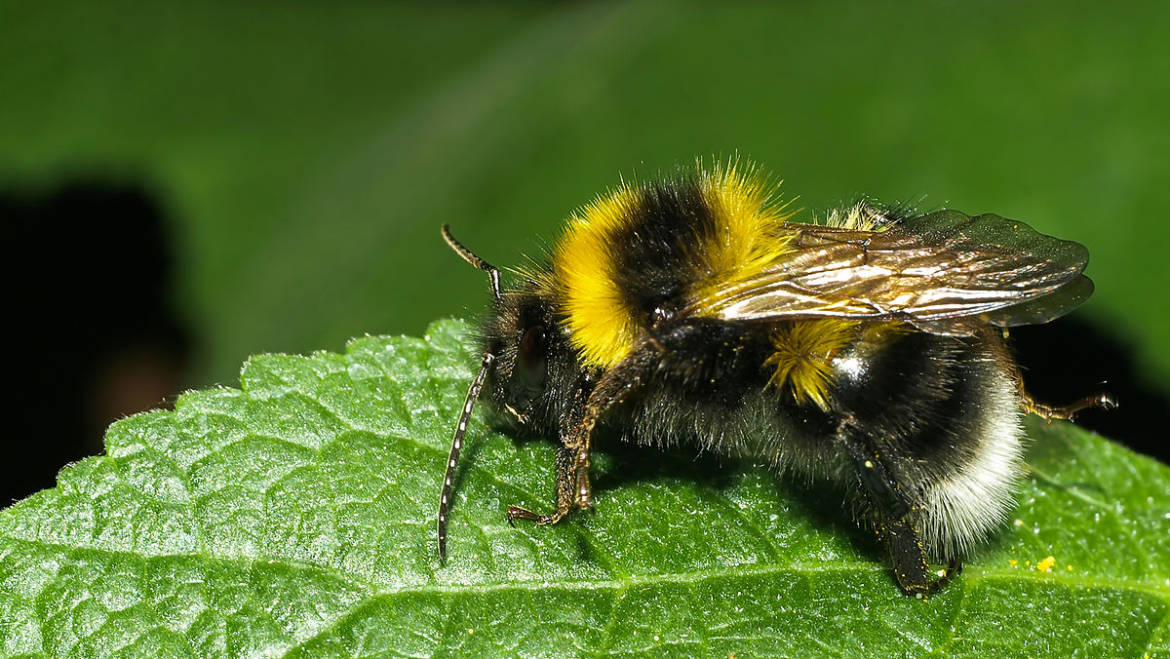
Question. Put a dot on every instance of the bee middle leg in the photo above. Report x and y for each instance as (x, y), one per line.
(896, 511)
(911, 569)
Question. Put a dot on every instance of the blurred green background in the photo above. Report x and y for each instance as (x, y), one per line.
(305, 154)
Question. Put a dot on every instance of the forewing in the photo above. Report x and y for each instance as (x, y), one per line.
(945, 272)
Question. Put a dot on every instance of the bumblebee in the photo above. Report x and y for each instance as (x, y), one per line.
(867, 350)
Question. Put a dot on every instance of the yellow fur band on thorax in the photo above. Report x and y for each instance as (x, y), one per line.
(601, 328)
(743, 239)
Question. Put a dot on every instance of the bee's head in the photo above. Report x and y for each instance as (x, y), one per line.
(521, 333)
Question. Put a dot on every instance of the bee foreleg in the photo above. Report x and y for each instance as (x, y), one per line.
(574, 490)
(566, 482)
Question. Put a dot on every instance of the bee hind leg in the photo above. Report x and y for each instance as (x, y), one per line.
(1047, 412)
(1029, 404)
(911, 569)
(997, 338)
(895, 513)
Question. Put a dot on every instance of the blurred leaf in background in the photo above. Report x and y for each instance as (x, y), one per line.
(305, 154)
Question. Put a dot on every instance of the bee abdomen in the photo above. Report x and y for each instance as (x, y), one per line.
(946, 411)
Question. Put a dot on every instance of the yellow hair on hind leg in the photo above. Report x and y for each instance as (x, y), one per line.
(803, 354)
(743, 242)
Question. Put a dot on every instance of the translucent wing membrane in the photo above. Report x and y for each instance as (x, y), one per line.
(1046, 307)
(944, 272)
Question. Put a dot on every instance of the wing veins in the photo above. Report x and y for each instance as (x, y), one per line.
(946, 275)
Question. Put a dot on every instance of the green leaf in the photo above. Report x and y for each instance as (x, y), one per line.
(295, 517)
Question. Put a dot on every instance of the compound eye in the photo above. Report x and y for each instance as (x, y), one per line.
(530, 360)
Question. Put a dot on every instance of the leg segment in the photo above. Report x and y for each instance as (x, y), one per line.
(1050, 412)
(573, 487)
(1029, 404)
(566, 459)
(895, 509)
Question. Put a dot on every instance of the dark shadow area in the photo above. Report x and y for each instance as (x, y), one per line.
(93, 334)
(1068, 359)
(620, 463)
(616, 463)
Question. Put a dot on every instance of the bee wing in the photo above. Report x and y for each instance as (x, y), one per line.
(944, 272)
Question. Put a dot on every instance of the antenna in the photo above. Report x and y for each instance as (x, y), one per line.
(470, 257)
(457, 446)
